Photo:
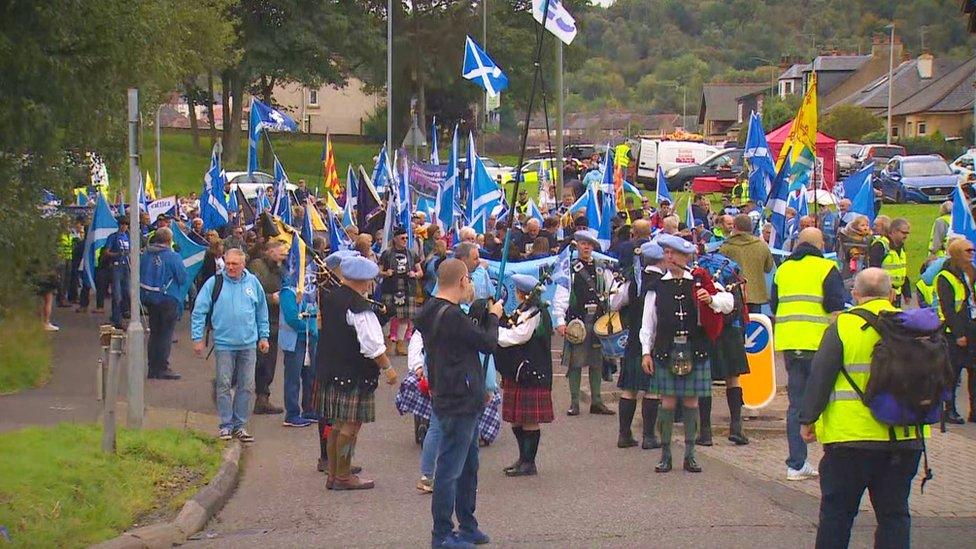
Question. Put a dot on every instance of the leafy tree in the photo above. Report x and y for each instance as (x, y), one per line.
(778, 111)
(850, 122)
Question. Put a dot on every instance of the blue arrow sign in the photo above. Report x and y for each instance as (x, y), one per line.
(756, 337)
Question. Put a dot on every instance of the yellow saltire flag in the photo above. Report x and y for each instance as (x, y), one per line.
(285, 231)
(314, 217)
(803, 133)
(330, 201)
(329, 173)
(150, 188)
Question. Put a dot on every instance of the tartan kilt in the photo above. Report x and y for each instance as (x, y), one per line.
(410, 400)
(728, 357)
(522, 405)
(346, 406)
(407, 310)
(632, 376)
(490, 421)
(697, 383)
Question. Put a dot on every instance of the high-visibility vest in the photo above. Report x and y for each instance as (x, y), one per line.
(64, 246)
(620, 157)
(940, 251)
(958, 292)
(800, 315)
(894, 263)
(846, 418)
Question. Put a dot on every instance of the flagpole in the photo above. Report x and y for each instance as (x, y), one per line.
(560, 144)
(135, 333)
(484, 116)
(389, 72)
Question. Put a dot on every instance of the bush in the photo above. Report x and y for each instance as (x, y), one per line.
(850, 123)
(375, 126)
(933, 144)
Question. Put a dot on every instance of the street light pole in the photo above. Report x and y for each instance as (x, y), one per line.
(560, 144)
(136, 336)
(891, 69)
(389, 75)
(159, 165)
(484, 42)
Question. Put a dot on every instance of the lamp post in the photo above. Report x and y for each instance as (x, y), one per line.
(684, 100)
(389, 74)
(772, 72)
(136, 334)
(891, 69)
(159, 165)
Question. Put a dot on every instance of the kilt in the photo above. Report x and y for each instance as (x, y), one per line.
(346, 406)
(490, 422)
(523, 405)
(410, 400)
(728, 357)
(697, 383)
(588, 354)
(632, 376)
(409, 307)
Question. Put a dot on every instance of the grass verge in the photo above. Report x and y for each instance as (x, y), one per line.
(59, 490)
(25, 353)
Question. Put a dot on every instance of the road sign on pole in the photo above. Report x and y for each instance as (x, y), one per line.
(759, 385)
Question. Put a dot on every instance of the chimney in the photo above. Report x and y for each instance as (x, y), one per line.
(925, 65)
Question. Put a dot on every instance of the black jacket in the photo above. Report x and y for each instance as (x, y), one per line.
(958, 324)
(452, 343)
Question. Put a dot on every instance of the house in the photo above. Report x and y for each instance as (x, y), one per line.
(721, 112)
(868, 70)
(327, 109)
(791, 81)
(603, 126)
(832, 71)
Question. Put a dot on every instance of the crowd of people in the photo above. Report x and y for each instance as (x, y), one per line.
(683, 292)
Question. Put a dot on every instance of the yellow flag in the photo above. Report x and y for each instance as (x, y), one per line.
(803, 133)
(314, 217)
(150, 188)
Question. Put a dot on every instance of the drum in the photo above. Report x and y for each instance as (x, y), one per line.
(610, 331)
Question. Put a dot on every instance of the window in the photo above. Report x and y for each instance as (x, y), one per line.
(922, 128)
(313, 97)
(739, 113)
(308, 123)
(894, 131)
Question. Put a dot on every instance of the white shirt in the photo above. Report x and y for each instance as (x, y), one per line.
(415, 352)
(522, 332)
(560, 301)
(722, 302)
(369, 333)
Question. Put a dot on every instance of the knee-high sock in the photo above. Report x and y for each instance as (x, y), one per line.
(691, 431)
(394, 324)
(519, 433)
(733, 395)
(704, 415)
(596, 380)
(532, 445)
(665, 419)
(323, 435)
(575, 378)
(401, 331)
(628, 407)
(649, 408)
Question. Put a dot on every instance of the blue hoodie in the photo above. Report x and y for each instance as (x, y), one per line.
(291, 326)
(240, 315)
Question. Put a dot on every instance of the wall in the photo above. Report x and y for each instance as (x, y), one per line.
(949, 124)
(337, 111)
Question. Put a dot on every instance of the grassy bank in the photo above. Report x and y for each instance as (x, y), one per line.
(25, 353)
(58, 489)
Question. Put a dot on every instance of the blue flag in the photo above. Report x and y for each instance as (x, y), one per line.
(143, 201)
(534, 212)
(662, 187)
(447, 192)
(381, 171)
(338, 239)
(264, 117)
(427, 205)
(481, 69)
(605, 234)
(192, 255)
(282, 203)
(690, 221)
(779, 194)
(962, 217)
(232, 204)
(435, 157)
(852, 185)
(761, 165)
(863, 202)
(593, 209)
(102, 225)
(405, 203)
(485, 197)
(469, 177)
(213, 207)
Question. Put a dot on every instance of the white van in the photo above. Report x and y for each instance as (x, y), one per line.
(669, 154)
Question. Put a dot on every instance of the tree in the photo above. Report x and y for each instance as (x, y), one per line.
(850, 122)
(778, 111)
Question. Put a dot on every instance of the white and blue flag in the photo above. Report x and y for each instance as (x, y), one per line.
(558, 20)
(102, 225)
(435, 156)
(534, 212)
(381, 171)
(447, 192)
(264, 117)
(662, 187)
(609, 211)
(213, 206)
(762, 168)
(192, 255)
(863, 200)
(779, 194)
(962, 218)
(481, 69)
(282, 203)
(486, 196)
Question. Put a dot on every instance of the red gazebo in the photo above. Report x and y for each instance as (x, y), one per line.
(826, 151)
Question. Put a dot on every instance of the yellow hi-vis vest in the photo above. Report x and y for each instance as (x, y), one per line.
(800, 315)
(958, 292)
(620, 157)
(895, 264)
(846, 418)
(940, 251)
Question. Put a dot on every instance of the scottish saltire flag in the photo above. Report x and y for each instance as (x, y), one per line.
(405, 203)
(381, 171)
(761, 165)
(609, 211)
(102, 225)
(268, 118)
(338, 239)
(594, 213)
(481, 69)
(662, 187)
(143, 201)
(534, 212)
(558, 20)
(690, 221)
(294, 267)
(81, 196)
(446, 195)
(389, 221)
(282, 203)
(352, 188)
(262, 202)
(863, 201)
(427, 205)
(849, 187)
(469, 180)
(486, 196)
(793, 225)
(778, 198)
(192, 255)
(232, 204)
(348, 215)
(962, 217)
(435, 157)
(213, 207)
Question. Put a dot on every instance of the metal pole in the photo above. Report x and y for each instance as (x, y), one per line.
(111, 392)
(389, 75)
(560, 144)
(136, 335)
(484, 44)
(891, 69)
(159, 162)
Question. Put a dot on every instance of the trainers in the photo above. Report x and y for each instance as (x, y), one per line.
(452, 541)
(224, 434)
(243, 436)
(804, 473)
(426, 485)
(297, 422)
(477, 537)
(50, 327)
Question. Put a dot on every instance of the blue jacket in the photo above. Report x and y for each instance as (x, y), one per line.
(291, 326)
(173, 275)
(240, 315)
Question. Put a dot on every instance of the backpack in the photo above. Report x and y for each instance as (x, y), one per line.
(151, 272)
(214, 294)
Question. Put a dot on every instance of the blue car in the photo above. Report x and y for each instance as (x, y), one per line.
(917, 179)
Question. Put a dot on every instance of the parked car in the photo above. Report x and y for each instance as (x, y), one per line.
(669, 154)
(917, 179)
(495, 169)
(964, 165)
(530, 170)
(880, 154)
(846, 161)
(724, 163)
(250, 183)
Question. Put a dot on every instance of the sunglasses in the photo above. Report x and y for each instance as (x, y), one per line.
(970, 250)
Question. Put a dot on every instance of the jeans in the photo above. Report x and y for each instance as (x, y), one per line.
(236, 365)
(886, 474)
(298, 380)
(162, 324)
(797, 374)
(432, 443)
(456, 476)
(120, 293)
(267, 362)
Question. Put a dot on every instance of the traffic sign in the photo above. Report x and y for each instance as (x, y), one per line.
(759, 385)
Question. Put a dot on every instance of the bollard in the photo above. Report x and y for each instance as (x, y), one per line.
(111, 391)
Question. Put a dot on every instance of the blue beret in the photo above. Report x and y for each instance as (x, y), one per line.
(335, 258)
(676, 243)
(587, 235)
(525, 283)
(651, 251)
(357, 267)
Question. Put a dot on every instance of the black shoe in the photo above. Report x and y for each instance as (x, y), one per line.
(739, 439)
(651, 443)
(704, 440)
(512, 467)
(664, 466)
(573, 410)
(355, 469)
(692, 466)
(626, 441)
(954, 418)
(168, 374)
(601, 410)
(323, 465)
(523, 470)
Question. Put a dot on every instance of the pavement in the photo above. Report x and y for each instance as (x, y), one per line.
(588, 492)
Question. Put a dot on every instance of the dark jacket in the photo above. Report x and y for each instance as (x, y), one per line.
(833, 284)
(455, 371)
(958, 324)
(269, 274)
